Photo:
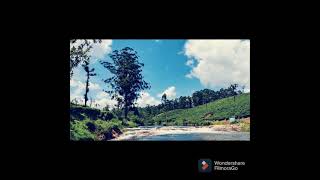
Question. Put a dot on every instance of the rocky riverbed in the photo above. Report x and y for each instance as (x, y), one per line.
(183, 133)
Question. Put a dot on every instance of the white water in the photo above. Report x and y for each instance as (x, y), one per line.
(181, 133)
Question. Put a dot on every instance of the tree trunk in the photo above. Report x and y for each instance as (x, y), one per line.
(87, 90)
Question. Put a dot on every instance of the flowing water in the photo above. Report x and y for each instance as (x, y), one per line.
(181, 133)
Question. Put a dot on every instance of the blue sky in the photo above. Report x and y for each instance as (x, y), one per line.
(177, 67)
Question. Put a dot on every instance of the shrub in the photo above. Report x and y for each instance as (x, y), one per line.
(106, 116)
(80, 113)
(138, 121)
(80, 131)
(91, 126)
(132, 124)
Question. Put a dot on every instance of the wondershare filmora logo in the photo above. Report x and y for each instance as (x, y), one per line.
(204, 165)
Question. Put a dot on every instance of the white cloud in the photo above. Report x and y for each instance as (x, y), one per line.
(190, 62)
(157, 40)
(81, 85)
(99, 50)
(102, 98)
(189, 76)
(77, 89)
(94, 86)
(170, 92)
(146, 99)
(219, 62)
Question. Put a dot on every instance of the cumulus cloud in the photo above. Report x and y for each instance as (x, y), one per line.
(146, 99)
(103, 99)
(219, 63)
(170, 92)
(77, 90)
(99, 50)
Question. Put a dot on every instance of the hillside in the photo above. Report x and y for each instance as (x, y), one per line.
(93, 124)
(205, 114)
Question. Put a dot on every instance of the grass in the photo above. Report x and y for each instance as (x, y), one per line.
(205, 114)
(245, 125)
(90, 124)
(89, 130)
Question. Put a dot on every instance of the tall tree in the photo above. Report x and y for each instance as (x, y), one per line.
(89, 73)
(197, 98)
(164, 101)
(127, 80)
(182, 102)
(79, 50)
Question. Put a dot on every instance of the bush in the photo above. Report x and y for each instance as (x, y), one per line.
(245, 125)
(138, 121)
(80, 131)
(103, 126)
(80, 113)
(132, 124)
(91, 126)
(106, 116)
(224, 122)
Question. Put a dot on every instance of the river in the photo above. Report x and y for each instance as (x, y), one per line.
(180, 133)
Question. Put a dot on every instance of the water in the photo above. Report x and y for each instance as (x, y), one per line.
(239, 136)
(182, 133)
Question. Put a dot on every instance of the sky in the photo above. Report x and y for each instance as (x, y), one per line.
(175, 67)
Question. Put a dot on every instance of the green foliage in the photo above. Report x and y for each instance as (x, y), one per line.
(93, 123)
(105, 115)
(79, 52)
(220, 109)
(132, 124)
(78, 112)
(224, 122)
(80, 131)
(127, 80)
(104, 126)
(88, 130)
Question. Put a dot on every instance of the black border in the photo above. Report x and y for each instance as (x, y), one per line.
(187, 153)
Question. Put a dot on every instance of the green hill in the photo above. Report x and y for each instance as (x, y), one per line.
(238, 106)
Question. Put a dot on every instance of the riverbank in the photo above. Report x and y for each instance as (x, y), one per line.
(214, 132)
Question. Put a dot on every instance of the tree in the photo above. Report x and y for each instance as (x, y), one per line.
(106, 108)
(182, 102)
(164, 101)
(164, 98)
(89, 73)
(189, 99)
(79, 50)
(197, 98)
(127, 80)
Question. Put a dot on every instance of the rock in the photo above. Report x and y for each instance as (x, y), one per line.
(107, 135)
